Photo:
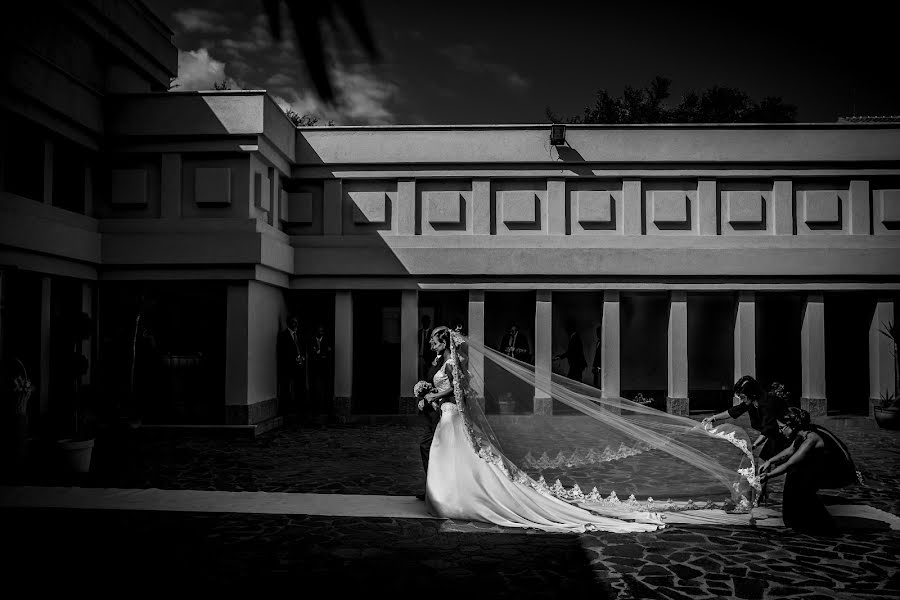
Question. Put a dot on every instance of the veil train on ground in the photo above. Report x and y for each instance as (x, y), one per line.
(599, 453)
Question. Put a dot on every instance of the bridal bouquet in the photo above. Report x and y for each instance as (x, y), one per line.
(422, 388)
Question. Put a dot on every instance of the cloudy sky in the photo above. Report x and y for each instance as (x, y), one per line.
(504, 62)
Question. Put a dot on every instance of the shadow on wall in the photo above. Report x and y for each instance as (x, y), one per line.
(169, 339)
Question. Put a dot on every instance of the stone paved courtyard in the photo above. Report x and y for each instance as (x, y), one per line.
(416, 557)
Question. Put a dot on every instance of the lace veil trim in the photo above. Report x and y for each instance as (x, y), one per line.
(485, 449)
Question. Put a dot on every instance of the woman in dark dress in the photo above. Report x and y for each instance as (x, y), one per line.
(764, 410)
(815, 459)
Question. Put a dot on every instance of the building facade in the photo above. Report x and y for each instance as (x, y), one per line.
(189, 225)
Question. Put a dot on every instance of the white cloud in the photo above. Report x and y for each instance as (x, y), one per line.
(466, 57)
(199, 20)
(257, 38)
(280, 80)
(197, 70)
(363, 99)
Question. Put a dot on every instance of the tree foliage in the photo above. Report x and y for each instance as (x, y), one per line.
(717, 104)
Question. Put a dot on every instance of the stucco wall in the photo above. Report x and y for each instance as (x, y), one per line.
(266, 317)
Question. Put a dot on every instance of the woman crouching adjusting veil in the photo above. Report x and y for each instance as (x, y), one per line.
(492, 462)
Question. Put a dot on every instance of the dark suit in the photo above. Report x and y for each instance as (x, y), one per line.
(292, 383)
(516, 345)
(321, 354)
(597, 364)
(575, 356)
(432, 417)
(426, 354)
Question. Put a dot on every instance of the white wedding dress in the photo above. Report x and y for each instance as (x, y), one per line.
(464, 486)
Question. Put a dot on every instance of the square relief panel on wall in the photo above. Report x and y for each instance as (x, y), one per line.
(887, 211)
(670, 210)
(212, 186)
(297, 208)
(745, 211)
(595, 210)
(444, 210)
(821, 211)
(519, 210)
(128, 187)
(369, 206)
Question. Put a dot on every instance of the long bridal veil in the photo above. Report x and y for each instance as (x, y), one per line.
(607, 455)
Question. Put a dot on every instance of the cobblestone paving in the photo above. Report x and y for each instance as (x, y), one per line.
(422, 556)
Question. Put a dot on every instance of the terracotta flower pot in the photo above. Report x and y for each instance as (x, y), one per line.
(887, 418)
(75, 456)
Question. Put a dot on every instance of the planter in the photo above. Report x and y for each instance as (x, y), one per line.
(887, 418)
(75, 457)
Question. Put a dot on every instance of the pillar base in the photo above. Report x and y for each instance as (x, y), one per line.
(873, 402)
(678, 406)
(612, 405)
(816, 407)
(342, 406)
(251, 414)
(543, 406)
(407, 405)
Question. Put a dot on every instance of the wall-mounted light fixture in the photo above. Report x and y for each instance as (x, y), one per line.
(557, 134)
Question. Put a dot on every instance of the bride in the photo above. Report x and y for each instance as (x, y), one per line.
(471, 478)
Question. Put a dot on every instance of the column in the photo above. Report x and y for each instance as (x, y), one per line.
(4, 323)
(409, 350)
(745, 336)
(343, 352)
(707, 215)
(48, 172)
(406, 209)
(556, 206)
(481, 206)
(812, 356)
(610, 346)
(476, 337)
(274, 197)
(87, 345)
(783, 207)
(610, 352)
(677, 402)
(88, 189)
(43, 382)
(170, 192)
(237, 343)
(543, 352)
(860, 209)
(332, 207)
(632, 201)
(882, 378)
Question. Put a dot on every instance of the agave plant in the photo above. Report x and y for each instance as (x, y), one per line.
(890, 331)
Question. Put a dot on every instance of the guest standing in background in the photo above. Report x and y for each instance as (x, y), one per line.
(574, 353)
(292, 381)
(515, 344)
(597, 363)
(426, 354)
(321, 354)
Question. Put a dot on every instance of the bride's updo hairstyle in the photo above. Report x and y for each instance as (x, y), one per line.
(442, 334)
(749, 387)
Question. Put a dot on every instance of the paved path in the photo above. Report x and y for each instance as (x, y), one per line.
(124, 550)
(854, 516)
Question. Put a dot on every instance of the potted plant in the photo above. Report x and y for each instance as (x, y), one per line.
(76, 449)
(887, 413)
(21, 389)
